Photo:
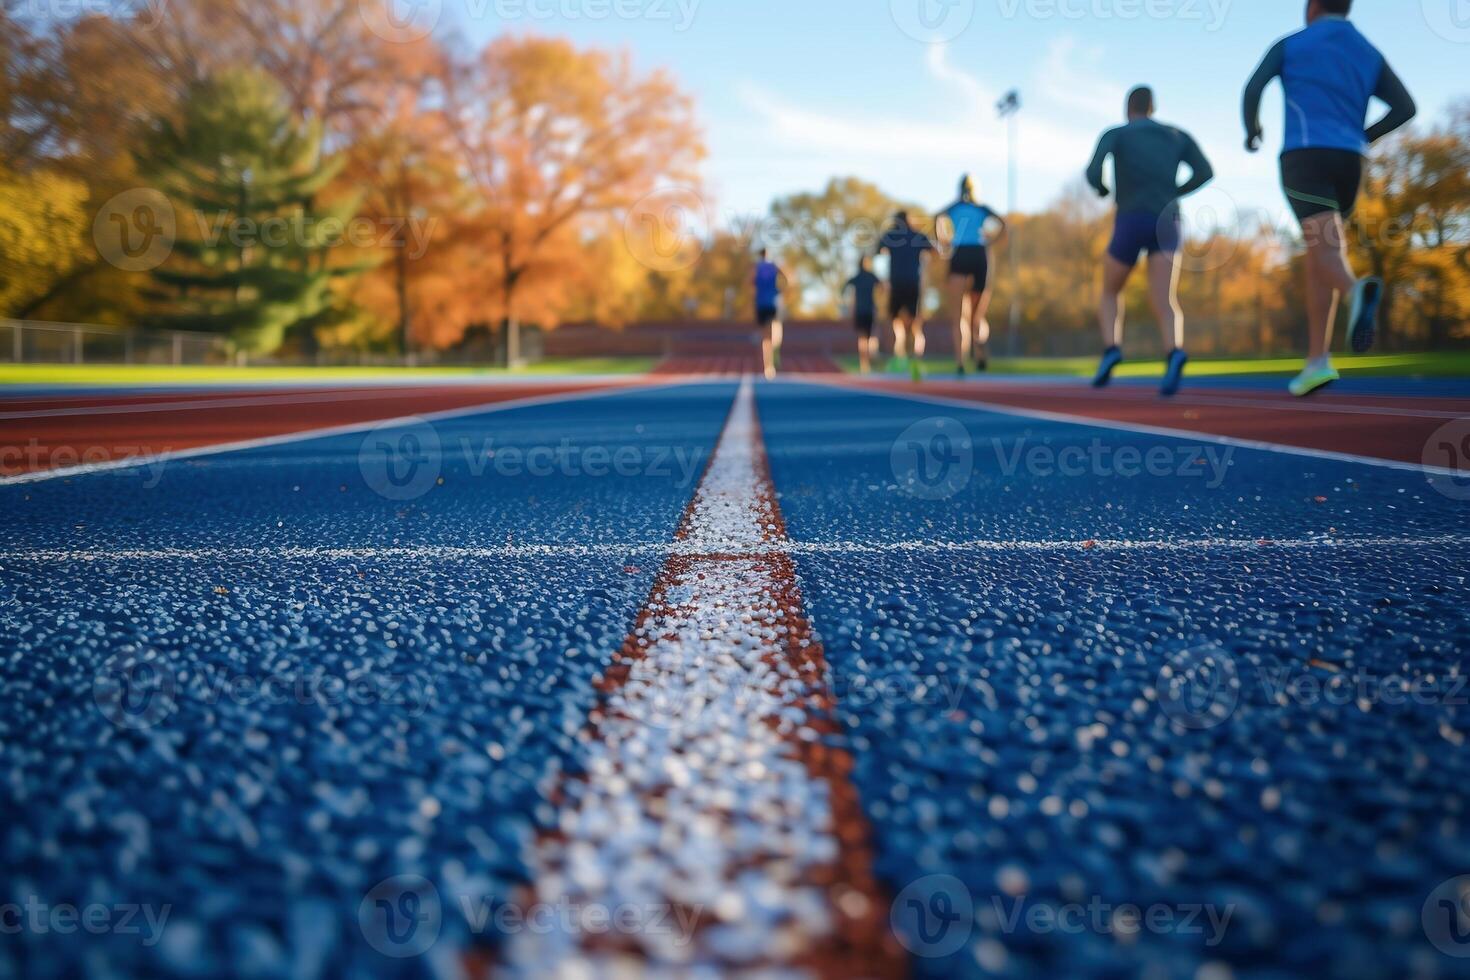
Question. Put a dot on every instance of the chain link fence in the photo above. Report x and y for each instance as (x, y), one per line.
(41, 342)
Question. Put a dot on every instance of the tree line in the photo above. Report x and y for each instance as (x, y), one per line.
(277, 172)
(280, 173)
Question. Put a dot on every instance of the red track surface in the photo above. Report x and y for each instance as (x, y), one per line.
(739, 364)
(45, 432)
(1391, 428)
(40, 433)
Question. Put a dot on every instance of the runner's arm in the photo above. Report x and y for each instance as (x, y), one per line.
(999, 236)
(1401, 107)
(1270, 69)
(1095, 168)
(943, 229)
(1201, 173)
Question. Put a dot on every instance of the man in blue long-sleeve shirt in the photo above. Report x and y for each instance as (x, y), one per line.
(1146, 158)
(1330, 73)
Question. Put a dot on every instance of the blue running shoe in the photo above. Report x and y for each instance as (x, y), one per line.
(1111, 358)
(1367, 295)
(1174, 375)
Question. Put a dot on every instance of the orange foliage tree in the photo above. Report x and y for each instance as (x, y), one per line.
(554, 139)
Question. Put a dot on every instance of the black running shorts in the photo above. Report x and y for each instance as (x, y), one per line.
(903, 298)
(972, 263)
(1318, 181)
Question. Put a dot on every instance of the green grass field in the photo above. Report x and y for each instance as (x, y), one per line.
(1444, 365)
(145, 374)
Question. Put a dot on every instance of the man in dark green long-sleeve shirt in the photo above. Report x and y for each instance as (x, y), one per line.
(1146, 158)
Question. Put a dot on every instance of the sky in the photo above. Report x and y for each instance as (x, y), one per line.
(902, 92)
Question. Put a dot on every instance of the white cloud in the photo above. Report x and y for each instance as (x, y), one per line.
(1068, 79)
(785, 143)
(971, 136)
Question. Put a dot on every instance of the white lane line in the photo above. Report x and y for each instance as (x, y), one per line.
(439, 553)
(701, 804)
(1192, 399)
(154, 459)
(243, 401)
(1152, 430)
(67, 391)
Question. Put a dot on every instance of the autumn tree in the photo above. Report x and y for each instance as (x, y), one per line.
(1413, 230)
(552, 137)
(241, 174)
(43, 227)
(820, 236)
(402, 156)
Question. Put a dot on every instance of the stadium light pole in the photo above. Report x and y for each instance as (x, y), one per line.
(1009, 108)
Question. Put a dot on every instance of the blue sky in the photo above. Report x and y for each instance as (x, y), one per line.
(791, 92)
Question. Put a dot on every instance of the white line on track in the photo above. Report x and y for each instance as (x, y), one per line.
(199, 404)
(441, 553)
(976, 405)
(153, 460)
(699, 796)
(1191, 398)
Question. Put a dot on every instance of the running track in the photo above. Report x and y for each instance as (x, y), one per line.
(841, 675)
(1383, 427)
(54, 430)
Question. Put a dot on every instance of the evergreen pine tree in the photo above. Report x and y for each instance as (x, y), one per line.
(251, 258)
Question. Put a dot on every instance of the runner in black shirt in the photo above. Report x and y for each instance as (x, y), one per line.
(908, 250)
(864, 311)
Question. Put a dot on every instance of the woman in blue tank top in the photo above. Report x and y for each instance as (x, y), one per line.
(964, 229)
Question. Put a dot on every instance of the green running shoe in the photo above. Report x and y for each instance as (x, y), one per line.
(1313, 379)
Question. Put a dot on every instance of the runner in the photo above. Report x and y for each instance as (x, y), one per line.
(1146, 158)
(864, 311)
(962, 230)
(1330, 73)
(768, 281)
(908, 253)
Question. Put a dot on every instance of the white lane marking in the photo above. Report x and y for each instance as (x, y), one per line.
(67, 391)
(1152, 430)
(438, 553)
(154, 459)
(694, 798)
(243, 401)
(1189, 399)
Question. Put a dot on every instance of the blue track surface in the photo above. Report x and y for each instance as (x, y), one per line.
(1003, 699)
(261, 818)
(1004, 710)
